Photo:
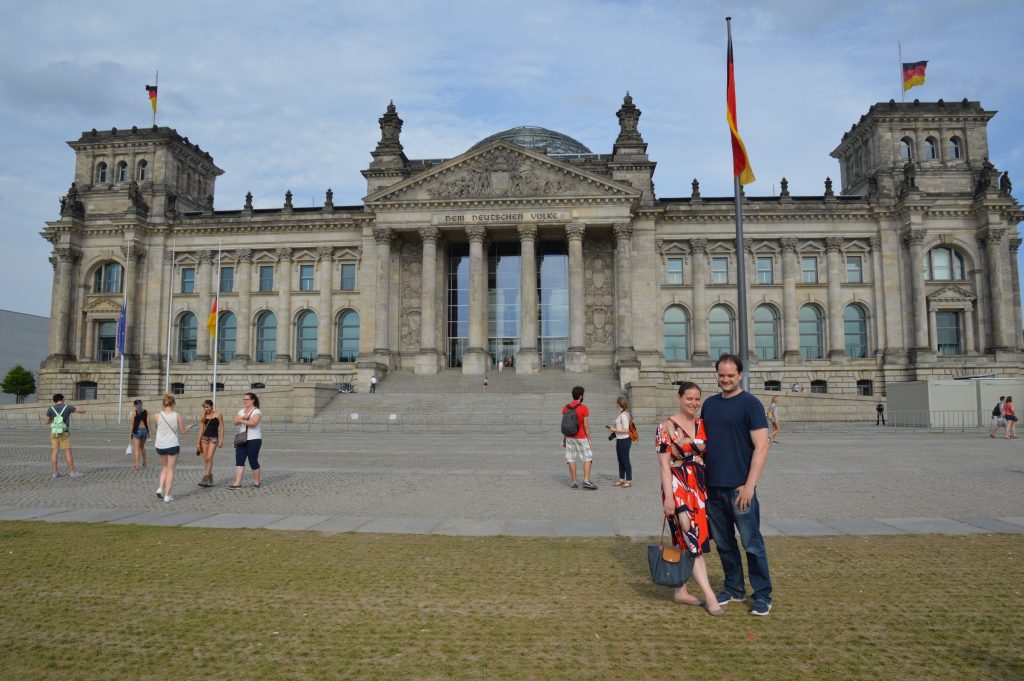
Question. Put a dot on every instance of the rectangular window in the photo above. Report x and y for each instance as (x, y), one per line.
(188, 280)
(106, 341)
(348, 277)
(306, 277)
(809, 269)
(854, 270)
(227, 279)
(266, 278)
(947, 330)
(719, 270)
(675, 272)
(765, 272)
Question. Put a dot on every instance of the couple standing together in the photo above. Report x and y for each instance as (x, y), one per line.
(710, 466)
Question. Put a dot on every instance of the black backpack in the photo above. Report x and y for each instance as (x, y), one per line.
(570, 421)
(996, 411)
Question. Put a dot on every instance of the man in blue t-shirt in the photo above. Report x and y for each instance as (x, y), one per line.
(737, 449)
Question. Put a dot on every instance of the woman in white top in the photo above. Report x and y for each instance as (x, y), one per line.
(622, 443)
(169, 427)
(249, 421)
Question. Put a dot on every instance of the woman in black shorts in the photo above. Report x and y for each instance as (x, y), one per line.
(139, 432)
(211, 436)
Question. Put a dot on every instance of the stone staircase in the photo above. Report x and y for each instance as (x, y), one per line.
(453, 402)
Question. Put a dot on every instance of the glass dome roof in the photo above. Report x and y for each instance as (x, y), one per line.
(534, 137)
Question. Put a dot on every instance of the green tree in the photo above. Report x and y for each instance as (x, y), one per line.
(19, 382)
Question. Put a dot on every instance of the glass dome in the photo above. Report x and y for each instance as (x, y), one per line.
(534, 137)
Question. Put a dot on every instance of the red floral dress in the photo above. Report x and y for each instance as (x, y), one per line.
(689, 488)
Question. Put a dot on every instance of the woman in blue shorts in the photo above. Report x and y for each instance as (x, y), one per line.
(248, 420)
(169, 428)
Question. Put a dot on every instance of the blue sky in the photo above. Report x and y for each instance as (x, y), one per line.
(287, 95)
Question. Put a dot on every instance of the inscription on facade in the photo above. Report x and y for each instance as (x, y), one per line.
(479, 218)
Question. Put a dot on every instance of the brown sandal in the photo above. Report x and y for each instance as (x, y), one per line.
(626, 484)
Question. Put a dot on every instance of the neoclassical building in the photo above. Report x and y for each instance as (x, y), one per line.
(532, 250)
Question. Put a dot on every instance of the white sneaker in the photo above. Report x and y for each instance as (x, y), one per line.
(168, 499)
(159, 492)
(76, 474)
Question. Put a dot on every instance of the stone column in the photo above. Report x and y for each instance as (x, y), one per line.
(204, 277)
(878, 291)
(993, 240)
(933, 328)
(790, 316)
(1015, 242)
(837, 339)
(624, 350)
(915, 242)
(969, 329)
(576, 355)
(427, 361)
(61, 307)
(325, 315)
(284, 306)
(382, 316)
(699, 332)
(476, 360)
(244, 284)
(133, 309)
(528, 357)
(154, 315)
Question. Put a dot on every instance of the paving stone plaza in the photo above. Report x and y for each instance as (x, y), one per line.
(857, 479)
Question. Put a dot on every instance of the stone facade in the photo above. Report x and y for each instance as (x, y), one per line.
(909, 272)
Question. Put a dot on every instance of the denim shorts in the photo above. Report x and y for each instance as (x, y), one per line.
(170, 451)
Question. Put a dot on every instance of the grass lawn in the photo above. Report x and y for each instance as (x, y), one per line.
(81, 601)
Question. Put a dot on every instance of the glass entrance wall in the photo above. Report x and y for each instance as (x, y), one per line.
(553, 309)
(457, 319)
(503, 302)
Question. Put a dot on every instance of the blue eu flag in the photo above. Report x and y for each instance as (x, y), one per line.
(120, 332)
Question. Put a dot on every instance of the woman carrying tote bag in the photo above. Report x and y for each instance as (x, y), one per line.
(248, 420)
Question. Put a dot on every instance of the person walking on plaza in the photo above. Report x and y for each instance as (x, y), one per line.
(620, 432)
(1010, 418)
(138, 433)
(208, 439)
(879, 413)
(681, 443)
(485, 383)
(169, 429)
(58, 417)
(997, 416)
(373, 384)
(248, 420)
(773, 418)
(577, 444)
(737, 451)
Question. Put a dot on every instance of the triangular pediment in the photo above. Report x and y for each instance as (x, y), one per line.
(103, 305)
(951, 294)
(501, 171)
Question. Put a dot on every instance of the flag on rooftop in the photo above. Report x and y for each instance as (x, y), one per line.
(913, 74)
(151, 90)
(740, 162)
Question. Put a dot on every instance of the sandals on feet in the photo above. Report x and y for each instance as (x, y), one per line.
(626, 484)
(618, 483)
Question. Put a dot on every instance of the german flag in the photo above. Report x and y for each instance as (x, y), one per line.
(913, 74)
(740, 163)
(211, 322)
(151, 90)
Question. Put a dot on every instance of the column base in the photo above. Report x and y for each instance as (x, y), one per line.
(701, 359)
(1005, 354)
(922, 355)
(838, 357)
(282, 360)
(527, 361)
(55, 361)
(576, 361)
(475, 362)
(792, 358)
(428, 362)
(629, 372)
(322, 361)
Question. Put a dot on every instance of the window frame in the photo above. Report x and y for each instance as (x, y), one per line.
(227, 343)
(188, 345)
(819, 335)
(719, 276)
(859, 269)
(265, 354)
(307, 283)
(774, 321)
(804, 271)
(682, 347)
(305, 336)
(348, 355)
(103, 283)
(860, 334)
(102, 172)
(121, 171)
(674, 272)
(931, 149)
(106, 340)
(266, 284)
(955, 148)
(758, 261)
(188, 280)
(352, 280)
(712, 325)
(229, 271)
(142, 170)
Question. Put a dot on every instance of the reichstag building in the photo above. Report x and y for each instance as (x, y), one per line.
(531, 250)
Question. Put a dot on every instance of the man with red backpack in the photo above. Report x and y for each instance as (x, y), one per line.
(576, 440)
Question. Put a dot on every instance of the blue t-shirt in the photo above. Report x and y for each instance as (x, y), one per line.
(728, 423)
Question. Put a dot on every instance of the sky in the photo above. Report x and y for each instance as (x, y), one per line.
(286, 95)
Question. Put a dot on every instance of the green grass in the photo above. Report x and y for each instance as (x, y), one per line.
(131, 602)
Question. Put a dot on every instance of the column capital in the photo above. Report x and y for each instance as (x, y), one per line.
(67, 254)
(574, 231)
(622, 230)
(789, 244)
(430, 234)
(283, 254)
(876, 243)
(527, 232)
(204, 257)
(992, 235)
(699, 246)
(325, 252)
(476, 233)
(914, 237)
(244, 255)
(383, 235)
(748, 245)
(137, 253)
(834, 244)
(1015, 242)
(170, 257)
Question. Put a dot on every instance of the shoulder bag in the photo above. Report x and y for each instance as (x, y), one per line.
(669, 565)
(242, 437)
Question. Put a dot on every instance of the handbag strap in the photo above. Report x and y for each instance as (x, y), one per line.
(664, 524)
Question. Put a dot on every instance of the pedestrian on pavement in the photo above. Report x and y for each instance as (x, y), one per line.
(578, 444)
(681, 443)
(998, 421)
(373, 384)
(138, 433)
(501, 365)
(879, 413)
(169, 429)
(1010, 417)
(208, 439)
(773, 418)
(620, 432)
(248, 420)
(485, 383)
(738, 433)
(58, 417)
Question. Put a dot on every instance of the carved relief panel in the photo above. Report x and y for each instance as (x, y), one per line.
(411, 277)
(599, 284)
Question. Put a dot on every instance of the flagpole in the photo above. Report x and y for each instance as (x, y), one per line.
(170, 313)
(216, 328)
(741, 276)
(123, 333)
(903, 92)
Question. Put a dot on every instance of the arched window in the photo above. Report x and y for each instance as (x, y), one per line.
(101, 172)
(943, 264)
(107, 278)
(142, 174)
(188, 328)
(305, 337)
(766, 332)
(122, 171)
(677, 333)
(227, 334)
(855, 327)
(906, 149)
(812, 336)
(931, 149)
(266, 337)
(720, 336)
(348, 336)
(954, 147)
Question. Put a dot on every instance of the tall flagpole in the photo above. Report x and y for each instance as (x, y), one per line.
(170, 314)
(123, 333)
(216, 329)
(741, 275)
(903, 92)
